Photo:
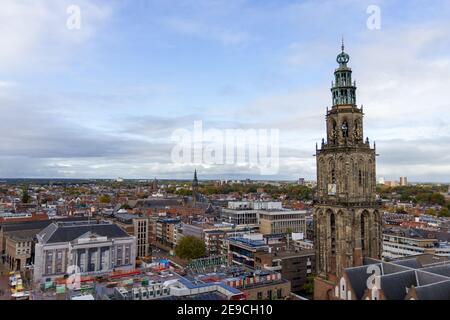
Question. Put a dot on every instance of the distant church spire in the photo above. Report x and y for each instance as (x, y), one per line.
(195, 188)
(195, 181)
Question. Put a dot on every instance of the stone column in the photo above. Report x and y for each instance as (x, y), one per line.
(98, 261)
(86, 260)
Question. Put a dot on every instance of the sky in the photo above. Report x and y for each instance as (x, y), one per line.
(104, 100)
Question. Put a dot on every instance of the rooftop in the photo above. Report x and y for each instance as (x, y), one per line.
(69, 231)
(248, 242)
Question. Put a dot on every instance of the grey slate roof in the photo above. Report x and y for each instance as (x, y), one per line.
(32, 225)
(411, 263)
(428, 274)
(443, 270)
(23, 235)
(394, 285)
(427, 277)
(358, 279)
(435, 291)
(61, 232)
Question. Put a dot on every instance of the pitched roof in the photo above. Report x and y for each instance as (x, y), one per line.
(33, 225)
(394, 285)
(435, 291)
(63, 232)
(427, 277)
(410, 263)
(443, 270)
(358, 279)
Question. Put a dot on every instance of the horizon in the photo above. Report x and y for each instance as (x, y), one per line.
(259, 180)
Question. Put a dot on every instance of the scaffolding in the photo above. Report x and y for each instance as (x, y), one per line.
(207, 265)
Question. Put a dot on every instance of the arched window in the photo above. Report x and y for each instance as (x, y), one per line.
(332, 263)
(333, 233)
(363, 232)
(345, 129)
(343, 288)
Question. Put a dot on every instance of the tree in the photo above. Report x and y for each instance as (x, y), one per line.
(126, 206)
(430, 211)
(190, 248)
(437, 198)
(104, 198)
(25, 196)
(444, 212)
(400, 210)
(308, 287)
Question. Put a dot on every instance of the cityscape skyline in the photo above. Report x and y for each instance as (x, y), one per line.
(268, 67)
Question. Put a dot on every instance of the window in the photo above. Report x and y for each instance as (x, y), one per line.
(119, 256)
(279, 293)
(259, 295)
(48, 262)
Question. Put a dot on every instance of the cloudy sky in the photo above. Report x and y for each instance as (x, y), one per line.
(104, 101)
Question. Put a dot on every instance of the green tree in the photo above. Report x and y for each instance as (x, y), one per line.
(444, 212)
(125, 206)
(190, 248)
(430, 211)
(400, 210)
(308, 287)
(104, 198)
(437, 198)
(25, 195)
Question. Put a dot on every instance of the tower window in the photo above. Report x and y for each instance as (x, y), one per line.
(345, 129)
(360, 178)
(333, 233)
(362, 232)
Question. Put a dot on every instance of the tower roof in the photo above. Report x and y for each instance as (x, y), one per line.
(195, 181)
(343, 58)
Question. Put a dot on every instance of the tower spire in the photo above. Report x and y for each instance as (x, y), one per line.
(195, 188)
(343, 46)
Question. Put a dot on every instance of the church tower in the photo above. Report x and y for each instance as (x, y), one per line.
(195, 188)
(347, 219)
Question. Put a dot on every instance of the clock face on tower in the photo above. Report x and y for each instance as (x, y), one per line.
(331, 189)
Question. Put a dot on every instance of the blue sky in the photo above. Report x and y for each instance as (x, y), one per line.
(103, 101)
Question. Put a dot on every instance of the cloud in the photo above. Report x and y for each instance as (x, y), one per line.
(207, 31)
(34, 34)
(121, 126)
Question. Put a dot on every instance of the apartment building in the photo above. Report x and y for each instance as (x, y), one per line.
(282, 221)
(167, 231)
(137, 226)
(398, 243)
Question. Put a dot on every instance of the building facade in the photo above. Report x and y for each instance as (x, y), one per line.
(166, 232)
(85, 247)
(240, 217)
(136, 226)
(294, 266)
(347, 219)
(282, 222)
(401, 243)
